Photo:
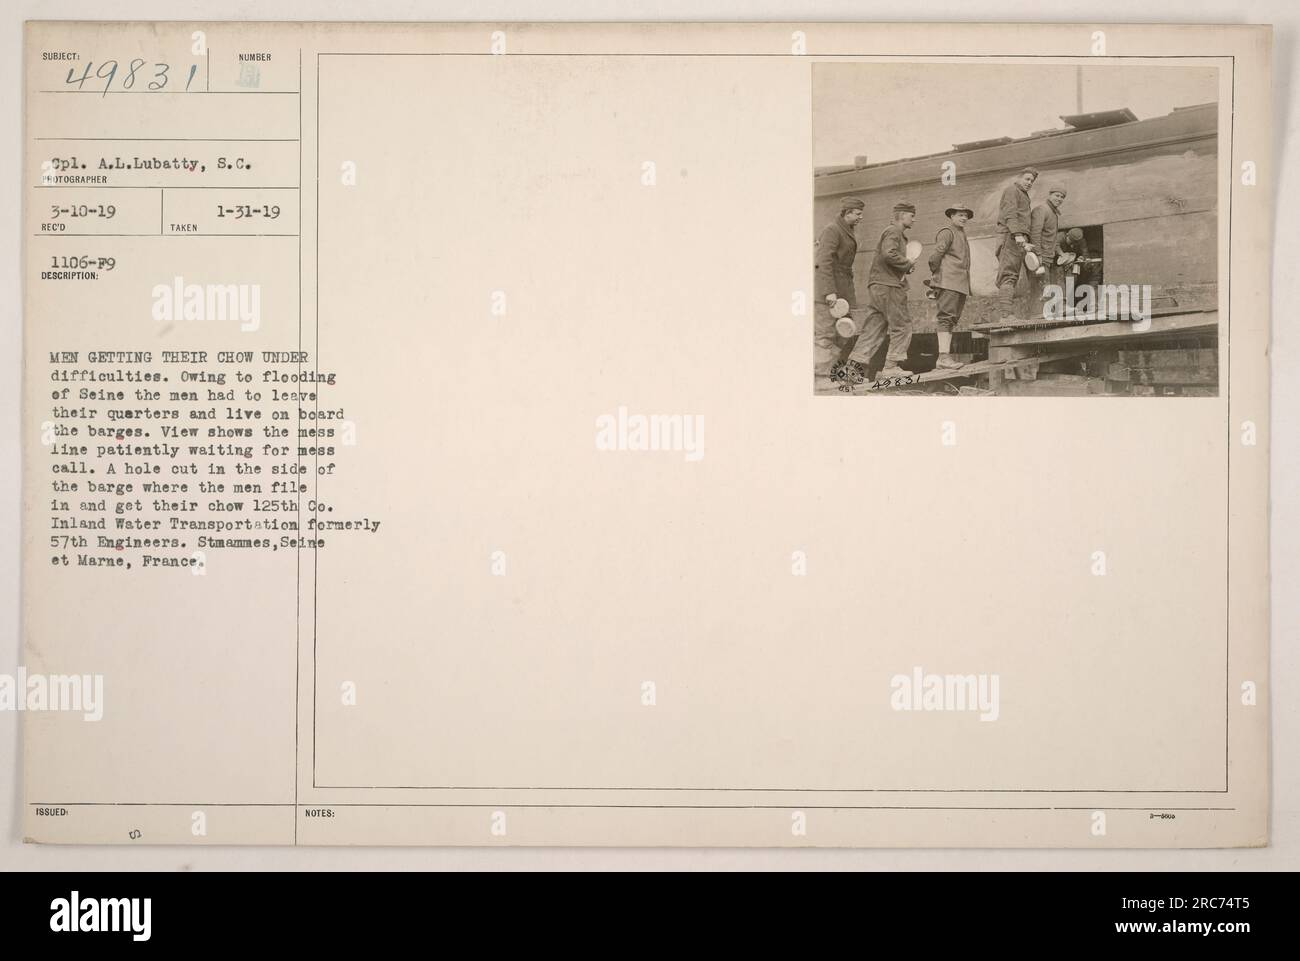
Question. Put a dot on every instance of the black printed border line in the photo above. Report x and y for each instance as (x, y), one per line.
(295, 804)
(813, 58)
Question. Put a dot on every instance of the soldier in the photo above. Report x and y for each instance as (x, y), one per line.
(836, 248)
(950, 280)
(1072, 247)
(1071, 242)
(887, 313)
(1013, 234)
(1043, 222)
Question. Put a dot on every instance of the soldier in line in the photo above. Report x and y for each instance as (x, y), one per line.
(950, 278)
(836, 247)
(1013, 237)
(887, 313)
(1043, 223)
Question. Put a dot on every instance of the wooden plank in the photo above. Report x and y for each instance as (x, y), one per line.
(1196, 322)
(995, 372)
(1079, 319)
(1163, 375)
(999, 354)
(1160, 390)
(1170, 358)
(1057, 385)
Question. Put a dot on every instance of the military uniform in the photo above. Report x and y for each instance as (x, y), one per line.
(1043, 222)
(836, 249)
(1088, 273)
(1013, 220)
(1067, 246)
(950, 266)
(887, 313)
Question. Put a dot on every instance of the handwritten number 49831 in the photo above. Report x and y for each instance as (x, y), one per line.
(109, 71)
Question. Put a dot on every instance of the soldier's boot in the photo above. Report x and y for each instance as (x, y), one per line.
(1006, 307)
(891, 370)
(945, 361)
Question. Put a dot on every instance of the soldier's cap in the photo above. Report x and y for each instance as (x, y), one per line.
(956, 207)
(904, 208)
(852, 203)
(1029, 170)
(1075, 234)
(1056, 189)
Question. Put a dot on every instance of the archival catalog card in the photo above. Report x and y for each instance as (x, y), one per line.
(714, 434)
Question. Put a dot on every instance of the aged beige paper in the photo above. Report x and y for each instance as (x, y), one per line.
(514, 434)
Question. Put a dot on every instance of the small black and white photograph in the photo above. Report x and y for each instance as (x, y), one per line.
(1037, 230)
